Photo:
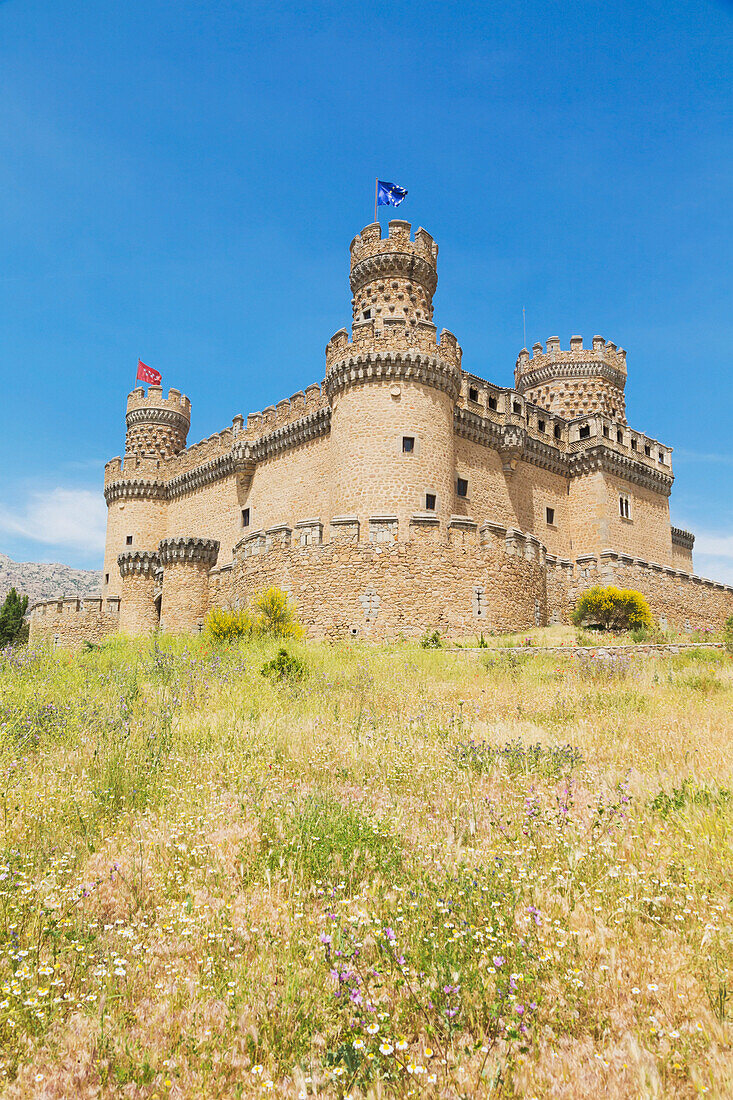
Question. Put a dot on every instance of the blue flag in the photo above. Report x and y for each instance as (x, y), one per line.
(389, 194)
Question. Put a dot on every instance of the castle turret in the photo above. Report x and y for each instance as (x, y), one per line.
(574, 381)
(157, 426)
(135, 490)
(393, 386)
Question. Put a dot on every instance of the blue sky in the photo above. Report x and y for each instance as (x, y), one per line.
(181, 181)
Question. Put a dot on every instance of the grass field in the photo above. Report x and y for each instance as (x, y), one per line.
(409, 873)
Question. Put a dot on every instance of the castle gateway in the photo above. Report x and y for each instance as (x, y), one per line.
(401, 494)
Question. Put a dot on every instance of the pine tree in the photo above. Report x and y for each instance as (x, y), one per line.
(11, 617)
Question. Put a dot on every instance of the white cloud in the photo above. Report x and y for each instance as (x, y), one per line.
(714, 556)
(59, 517)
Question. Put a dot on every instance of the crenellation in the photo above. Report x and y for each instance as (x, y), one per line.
(400, 494)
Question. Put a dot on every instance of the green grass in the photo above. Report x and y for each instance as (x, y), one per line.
(399, 872)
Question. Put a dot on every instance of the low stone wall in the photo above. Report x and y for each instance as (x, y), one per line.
(676, 598)
(458, 581)
(643, 649)
(72, 621)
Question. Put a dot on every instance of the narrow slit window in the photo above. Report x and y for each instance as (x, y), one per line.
(624, 506)
(550, 515)
(619, 437)
(245, 517)
(558, 432)
(462, 487)
(647, 450)
(106, 578)
(408, 444)
(430, 502)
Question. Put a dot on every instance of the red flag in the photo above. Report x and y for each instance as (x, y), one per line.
(147, 374)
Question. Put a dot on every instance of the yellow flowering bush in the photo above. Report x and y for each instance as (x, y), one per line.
(271, 613)
(613, 609)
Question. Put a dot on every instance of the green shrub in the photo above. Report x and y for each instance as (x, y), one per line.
(728, 633)
(613, 609)
(431, 639)
(11, 617)
(284, 667)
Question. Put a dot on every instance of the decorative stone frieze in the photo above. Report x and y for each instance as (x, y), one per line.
(191, 549)
(386, 264)
(398, 366)
(135, 489)
(682, 538)
(140, 563)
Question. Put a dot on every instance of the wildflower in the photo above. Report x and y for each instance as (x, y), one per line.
(258, 1070)
(358, 1044)
(636, 990)
(386, 1048)
(498, 961)
(652, 987)
(428, 1052)
(401, 1044)
(372, 1029)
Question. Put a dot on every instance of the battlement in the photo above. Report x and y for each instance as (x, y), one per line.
(176, 401)
(157, 426)
(395, 335)
(370, 242)
(574, 380)
(601, 351)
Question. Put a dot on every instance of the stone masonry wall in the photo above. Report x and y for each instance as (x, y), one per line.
(454, 581)
(71, 622)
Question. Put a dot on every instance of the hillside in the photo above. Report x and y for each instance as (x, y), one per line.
(42, 581)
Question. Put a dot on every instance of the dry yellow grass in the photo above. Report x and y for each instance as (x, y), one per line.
(412, 873)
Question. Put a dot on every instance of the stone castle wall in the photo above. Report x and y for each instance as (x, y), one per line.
(321, 492)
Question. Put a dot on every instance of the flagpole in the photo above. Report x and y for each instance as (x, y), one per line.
(376, 189)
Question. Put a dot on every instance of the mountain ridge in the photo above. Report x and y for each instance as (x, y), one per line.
(44, 581)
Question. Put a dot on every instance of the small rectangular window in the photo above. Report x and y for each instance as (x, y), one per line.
(550, 515)
(624, 506)
(492, 403)
(462, 487)
(633, 444)
(606, 431)
(540, 425)
(408, 444)
(128, 540)
(472, 394)
(106, 578)
(619, 437)
(430, 502)
(584, 432)
(517, 407)
(647, 450)
(245, 517)
(558, 432)
(367, 314)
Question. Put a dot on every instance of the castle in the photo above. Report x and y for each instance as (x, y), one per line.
(402, 494)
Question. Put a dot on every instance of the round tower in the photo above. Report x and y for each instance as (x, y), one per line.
(157, 426)
(575, 381)
(393, 386)
(135, 489)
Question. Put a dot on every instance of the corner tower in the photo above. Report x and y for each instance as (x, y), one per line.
(393, 386)
(135, 490)
(575, 381)
(157, 426)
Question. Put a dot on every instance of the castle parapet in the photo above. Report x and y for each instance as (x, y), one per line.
(157, 425)
(574, 380)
